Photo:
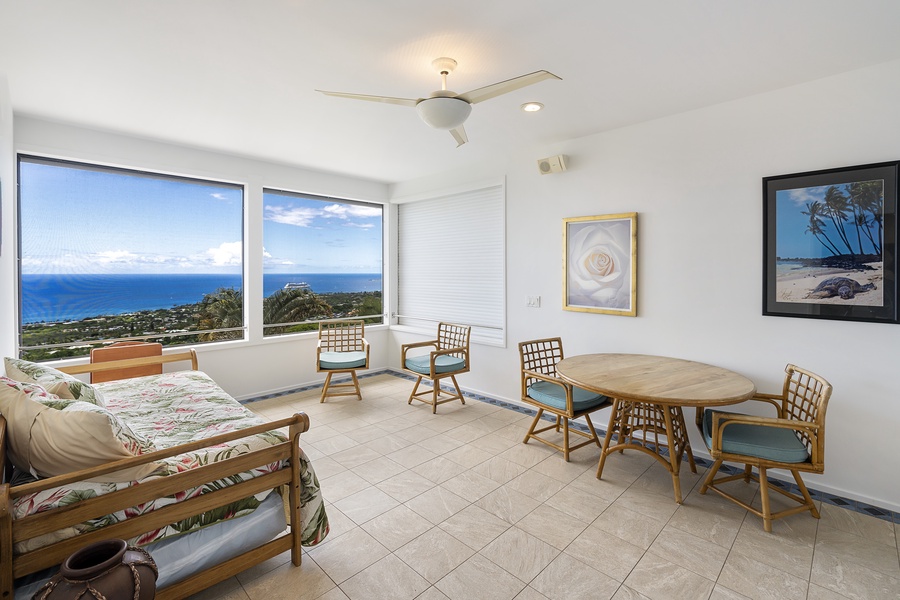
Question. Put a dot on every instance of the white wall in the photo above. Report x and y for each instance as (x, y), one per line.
(695, 181)
(246, 368)
(7, 220)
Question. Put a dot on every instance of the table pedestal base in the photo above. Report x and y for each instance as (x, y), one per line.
(651, 421)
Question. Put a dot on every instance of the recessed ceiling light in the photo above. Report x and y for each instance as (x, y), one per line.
(532, 106)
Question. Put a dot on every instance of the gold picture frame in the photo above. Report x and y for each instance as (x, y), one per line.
(600, 264)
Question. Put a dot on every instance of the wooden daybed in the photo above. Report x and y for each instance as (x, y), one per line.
(294, 470)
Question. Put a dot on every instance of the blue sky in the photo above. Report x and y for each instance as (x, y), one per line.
(306, 235)
(108, 222)
(792, 241)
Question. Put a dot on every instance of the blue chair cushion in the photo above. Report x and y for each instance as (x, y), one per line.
(342, 360)
(761, 441)
(553, 394)
(442, 364)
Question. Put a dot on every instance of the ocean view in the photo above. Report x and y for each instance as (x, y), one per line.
(54, 298)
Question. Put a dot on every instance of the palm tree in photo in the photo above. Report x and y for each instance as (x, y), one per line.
(815, 211)
(867, 200)
(836, 208)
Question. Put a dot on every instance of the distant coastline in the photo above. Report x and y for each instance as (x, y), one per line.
(63, 298)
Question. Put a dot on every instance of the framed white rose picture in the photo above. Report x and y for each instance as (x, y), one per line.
(600, 264)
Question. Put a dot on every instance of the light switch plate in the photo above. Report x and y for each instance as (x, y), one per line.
(533, 301)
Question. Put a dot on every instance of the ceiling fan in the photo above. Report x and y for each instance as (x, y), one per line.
(444, 109)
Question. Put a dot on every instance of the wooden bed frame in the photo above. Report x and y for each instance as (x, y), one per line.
(17, 530)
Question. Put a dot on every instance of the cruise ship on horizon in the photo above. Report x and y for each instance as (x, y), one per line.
(300, 285)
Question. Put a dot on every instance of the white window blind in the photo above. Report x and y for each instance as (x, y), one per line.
(452, 264)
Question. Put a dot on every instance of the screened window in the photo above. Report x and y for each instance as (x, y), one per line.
(322, 259)
(111, 254)
(452, 263)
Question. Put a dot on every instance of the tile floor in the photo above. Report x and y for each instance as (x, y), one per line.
(454, 506)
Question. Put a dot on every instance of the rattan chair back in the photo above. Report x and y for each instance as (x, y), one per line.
(342, 336)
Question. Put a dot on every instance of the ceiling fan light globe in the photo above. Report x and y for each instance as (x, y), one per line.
(443, 112)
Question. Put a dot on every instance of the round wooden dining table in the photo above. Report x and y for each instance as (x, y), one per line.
(648, 393)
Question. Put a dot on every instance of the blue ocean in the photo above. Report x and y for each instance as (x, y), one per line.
(54, 298)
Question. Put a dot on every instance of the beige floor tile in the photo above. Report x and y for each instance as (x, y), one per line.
(229, 589)
(437, 504)
(494, 444)
(475, 527)
(397, 527)
(709, 518)
(333, 594)
(440, 444)
(438, 469)
(405, 486)
(566, 472)
(355, 456)
(528, 455)
(819, 593)
(859, 524)
(606, 553)
(660, 579)
(480, 578)
(365, 434)
(345, 483)
(434, 554)
(335, 444)
(609, 488)
(305, 582)
(347, 555)
(264, 567)
(499, 469)
(578, 503)
(366, 505)
(432, 593)
(376, 471)
(552, 525)
(690, 552)
(338, 524)
(411, 456)
(778, 551)
(535, 485)
(388, 579)
(468, 456)
(630, 525)
(530, 593)
(470, 485)
(509, 505)
(852, 580)
(387, 444)
(723, 593)
(520, 553)
(566, 578)
(760, 581)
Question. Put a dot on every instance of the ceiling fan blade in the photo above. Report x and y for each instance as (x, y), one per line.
(384, 99)
(459, 134)
(503, 87)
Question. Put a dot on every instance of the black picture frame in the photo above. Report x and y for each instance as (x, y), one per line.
(830, 243)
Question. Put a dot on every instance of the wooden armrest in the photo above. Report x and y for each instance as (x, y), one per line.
(722, 420)
(420, 344)
(190, 355)
(450, 351)
(544, 377)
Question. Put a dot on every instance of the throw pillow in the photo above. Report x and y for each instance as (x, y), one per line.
(74, 435)
(56, 382)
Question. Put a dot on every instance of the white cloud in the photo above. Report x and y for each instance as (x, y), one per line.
(346, 211)
(218, 196)
(228, 254)
(360, 225)
(299, 217)
(801, 196)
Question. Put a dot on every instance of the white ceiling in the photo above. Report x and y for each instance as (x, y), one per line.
(239, 77)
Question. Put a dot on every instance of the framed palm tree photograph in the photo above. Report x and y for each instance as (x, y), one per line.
(829, 244)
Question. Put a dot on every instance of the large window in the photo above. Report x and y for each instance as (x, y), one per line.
(322, 260)
(109, 254)
(452, 262)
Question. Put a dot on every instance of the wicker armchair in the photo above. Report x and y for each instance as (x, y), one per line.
(542, 389)
(794, 441)
(449, 358)
(342, 349)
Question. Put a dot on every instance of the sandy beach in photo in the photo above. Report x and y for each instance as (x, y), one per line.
(795, 285)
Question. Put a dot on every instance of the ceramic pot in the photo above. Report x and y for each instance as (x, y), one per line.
(110, 570)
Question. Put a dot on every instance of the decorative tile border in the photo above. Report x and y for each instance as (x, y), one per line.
(853, 505)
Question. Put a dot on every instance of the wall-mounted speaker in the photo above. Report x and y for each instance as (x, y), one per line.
(552, 164)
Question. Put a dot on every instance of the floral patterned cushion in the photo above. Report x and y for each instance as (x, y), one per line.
(51, 436)
(56, 382)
